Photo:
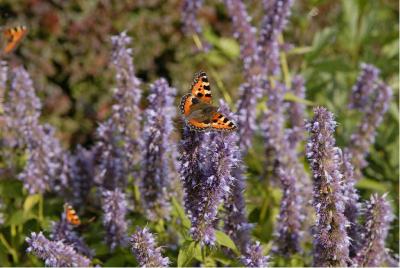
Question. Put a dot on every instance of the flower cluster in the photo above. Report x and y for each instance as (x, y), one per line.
(155, 176)
(55, 253)
(254, 256)
(377, 221)
(145, 249)
(364, 136)
(366, 81)
(275, 19)
(331, 243)
(114, 219)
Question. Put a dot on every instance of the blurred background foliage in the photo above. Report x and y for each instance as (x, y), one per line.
(67, 53)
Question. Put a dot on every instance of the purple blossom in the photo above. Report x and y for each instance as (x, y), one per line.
(111, 171)
(144, 247)
(236, 224)
(155, 178)
(352, 206)
(114, 219)
(126, 114)
(254, 256)
(189, 16)
(246, 111)
(275, 19)
(364, 86)
(81, 166)
(377, 223)
(63, 231)
(246, 35)
(55, 253)
(207, 160)
(331, 243)
(365, 134)
(284, 166)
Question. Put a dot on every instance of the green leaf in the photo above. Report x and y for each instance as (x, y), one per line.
(224, 240)
(31, 201)
(19, 217)
(181, 213)
(186, 253)
(291, 97)
(371, 185)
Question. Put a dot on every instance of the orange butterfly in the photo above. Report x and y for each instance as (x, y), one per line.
(198, 111)
(70, 215)
(13, 37)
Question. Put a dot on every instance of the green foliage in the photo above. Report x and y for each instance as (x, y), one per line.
(67, 53)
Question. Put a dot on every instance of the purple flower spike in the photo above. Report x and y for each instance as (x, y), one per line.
(352, 207)
(115, 209)
(63, 231)
(364, 136)
(145, 249)
(246, 35)
(111, 171)
(81, 175)
(378, 217)
(331, 243)
(189, 16)
(206, 163)
(55, 253)
(254, 256)
(364, 86)
(126, 113)
(275, 19)
(155, 177)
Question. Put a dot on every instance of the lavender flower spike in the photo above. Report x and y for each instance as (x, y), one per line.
(126, 113)
(189, 16)
(364, 87)
(246, 35)
(296, 113)
(145, 249)
(206, 163)
(155, 178)
(378, 217)
(364, 137)
(254, 256)
(275, 19)
(331, 243)
(115, 209)
(55, 253)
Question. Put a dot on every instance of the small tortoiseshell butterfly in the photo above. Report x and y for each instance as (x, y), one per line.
(70, 215)
(13, 37)
(198, 111)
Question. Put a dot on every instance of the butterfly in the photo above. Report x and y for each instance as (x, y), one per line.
(13, 36)
(199, 113)
(70, 215)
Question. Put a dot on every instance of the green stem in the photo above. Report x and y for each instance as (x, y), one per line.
(12, 251)
(40, 209)
(284, 65)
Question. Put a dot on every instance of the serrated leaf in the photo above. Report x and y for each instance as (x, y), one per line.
(181, 213)
(224, 240)
(186, 253)
(31, 201)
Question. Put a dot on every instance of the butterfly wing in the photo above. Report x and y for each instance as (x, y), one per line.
(221, 122)
(13, 37)
(71, 216)
(197, 125)
(201, 87)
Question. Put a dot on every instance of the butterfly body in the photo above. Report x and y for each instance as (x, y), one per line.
(71, 216)
(13, 36)
(199, 113)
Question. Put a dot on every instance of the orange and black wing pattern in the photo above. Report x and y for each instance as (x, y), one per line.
(71, 216)
(221, 122)
(201, 87)
(13, 37)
